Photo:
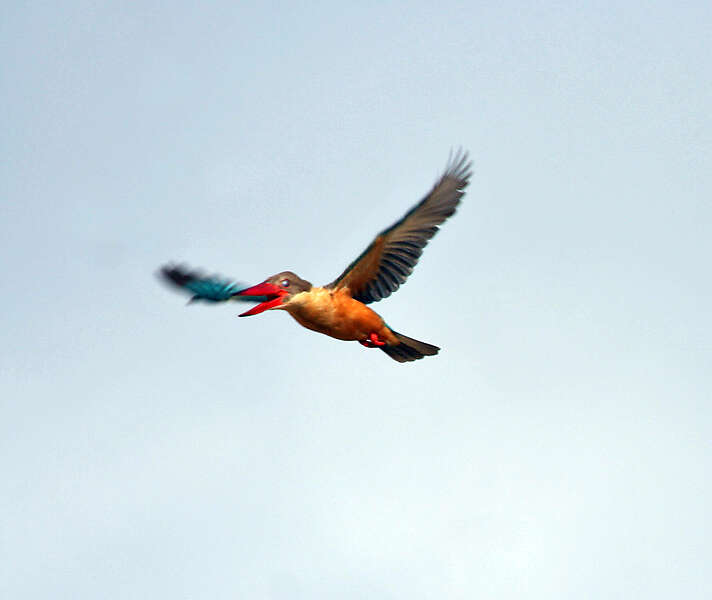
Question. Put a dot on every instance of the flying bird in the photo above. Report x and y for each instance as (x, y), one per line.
(339, 309)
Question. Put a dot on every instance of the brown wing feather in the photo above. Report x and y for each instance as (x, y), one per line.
(388, 261)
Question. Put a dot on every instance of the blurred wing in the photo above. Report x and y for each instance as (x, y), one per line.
(391, 257)
(210, 289)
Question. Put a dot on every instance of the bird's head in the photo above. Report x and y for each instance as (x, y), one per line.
(278, 289)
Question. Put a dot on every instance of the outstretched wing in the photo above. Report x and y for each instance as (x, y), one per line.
(209, 289)
(391, 257)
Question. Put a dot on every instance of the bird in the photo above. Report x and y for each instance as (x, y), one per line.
(339, 309)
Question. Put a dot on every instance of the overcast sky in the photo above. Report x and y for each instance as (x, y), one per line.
(559, 445)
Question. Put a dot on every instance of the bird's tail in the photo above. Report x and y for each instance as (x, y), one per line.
(408, 349)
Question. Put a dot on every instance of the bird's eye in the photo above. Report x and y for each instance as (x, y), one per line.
(285, 282)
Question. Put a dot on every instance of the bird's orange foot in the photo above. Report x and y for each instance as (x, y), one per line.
(373, 341)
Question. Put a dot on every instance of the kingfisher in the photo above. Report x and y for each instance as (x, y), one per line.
(340, 309)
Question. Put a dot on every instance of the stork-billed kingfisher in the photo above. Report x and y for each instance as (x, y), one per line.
(339, 309)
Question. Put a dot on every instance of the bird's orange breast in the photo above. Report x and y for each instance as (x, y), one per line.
(337, 314)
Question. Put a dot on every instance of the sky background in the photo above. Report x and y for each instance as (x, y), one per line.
(560, 444)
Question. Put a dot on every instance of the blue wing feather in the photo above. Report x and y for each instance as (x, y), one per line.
(206, 288)
(214, 290)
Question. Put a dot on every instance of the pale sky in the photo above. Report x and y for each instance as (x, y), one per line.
(559, 445)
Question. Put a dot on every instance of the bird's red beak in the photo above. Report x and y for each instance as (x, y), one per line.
(273, 293)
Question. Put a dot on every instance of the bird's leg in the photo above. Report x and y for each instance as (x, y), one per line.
(376, 340)
(373, 341)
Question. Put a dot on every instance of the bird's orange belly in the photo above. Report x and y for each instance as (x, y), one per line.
(337, 315)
